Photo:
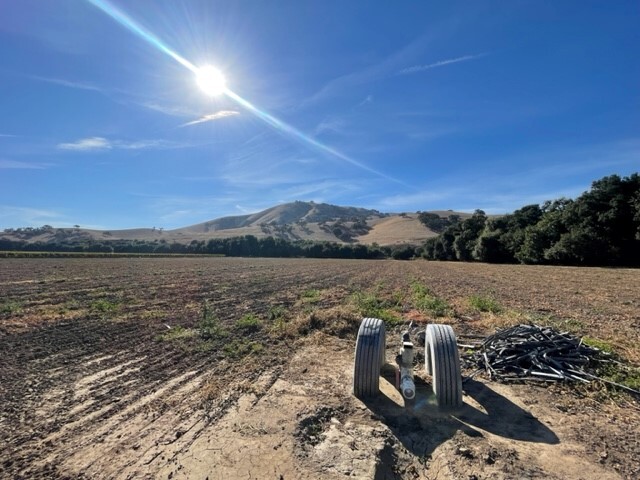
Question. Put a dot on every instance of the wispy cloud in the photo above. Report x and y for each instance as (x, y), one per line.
(178, 211)
(172, 110)
(69, 84)
(87, 145)
(7, 135)
(13, 164)
(212, 116)
(12, 216)
(441, 63)
(389, 66)
(244, 210)
(368, 99)
(146, 144)
(332, 125)
(119, 96)
(98, 144)
(376, 71)
(551, 173)
(496, 200)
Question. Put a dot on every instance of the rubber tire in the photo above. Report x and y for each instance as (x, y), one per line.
(369, 358)
(442, 362)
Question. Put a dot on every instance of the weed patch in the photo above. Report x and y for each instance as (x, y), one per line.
(371, 304)
(612, 367)
(276, 312)
(425, 301)
(248, 323)
(209, 326)
(599, 344)
(277, 315)
(241, 348)
(176, 333)
(10, 308)
(617, 372)
(104, 306)
(485, 303)
(310, 296)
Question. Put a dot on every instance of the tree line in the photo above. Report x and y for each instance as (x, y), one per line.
(243, 246)
(599, 228)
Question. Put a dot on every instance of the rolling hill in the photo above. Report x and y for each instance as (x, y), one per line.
(292, 221)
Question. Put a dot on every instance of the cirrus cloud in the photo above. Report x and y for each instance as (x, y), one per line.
(87, 144)
(14, 164)
(97, 144)
(441, 63)
(211, 117)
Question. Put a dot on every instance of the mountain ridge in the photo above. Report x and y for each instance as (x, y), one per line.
(286, 213)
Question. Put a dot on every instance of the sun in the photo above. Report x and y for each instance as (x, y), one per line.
(211, 81)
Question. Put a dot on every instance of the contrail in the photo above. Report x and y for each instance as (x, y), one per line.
(130, 24)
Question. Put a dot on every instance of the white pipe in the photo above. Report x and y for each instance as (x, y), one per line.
(407, 385)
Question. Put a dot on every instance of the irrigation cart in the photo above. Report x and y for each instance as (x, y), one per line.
(442, 362)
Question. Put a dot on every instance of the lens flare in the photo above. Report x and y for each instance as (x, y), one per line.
(210, 82)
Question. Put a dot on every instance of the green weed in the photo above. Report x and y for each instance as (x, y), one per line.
(310, 296)
(104, 306)
(10, 307)
(209, 326)
(619, 373)
(276, 312)
(611, 366)
(599, 344)
(277, 315)
(425, 301)
(484, 303)
(241, 348)
(176, 333)
(248, 323)
(370, 304)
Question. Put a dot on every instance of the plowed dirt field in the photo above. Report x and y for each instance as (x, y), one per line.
(226, 368)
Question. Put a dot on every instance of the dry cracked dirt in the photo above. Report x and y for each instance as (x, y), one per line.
(226, 368)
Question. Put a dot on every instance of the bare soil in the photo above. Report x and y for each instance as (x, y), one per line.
(91, 386)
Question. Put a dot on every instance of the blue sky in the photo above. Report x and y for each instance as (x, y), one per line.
(397, 106)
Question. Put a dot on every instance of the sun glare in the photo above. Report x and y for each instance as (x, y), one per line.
(211, 81)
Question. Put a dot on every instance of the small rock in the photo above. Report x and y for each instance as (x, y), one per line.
(489, 458)
(464, 452)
